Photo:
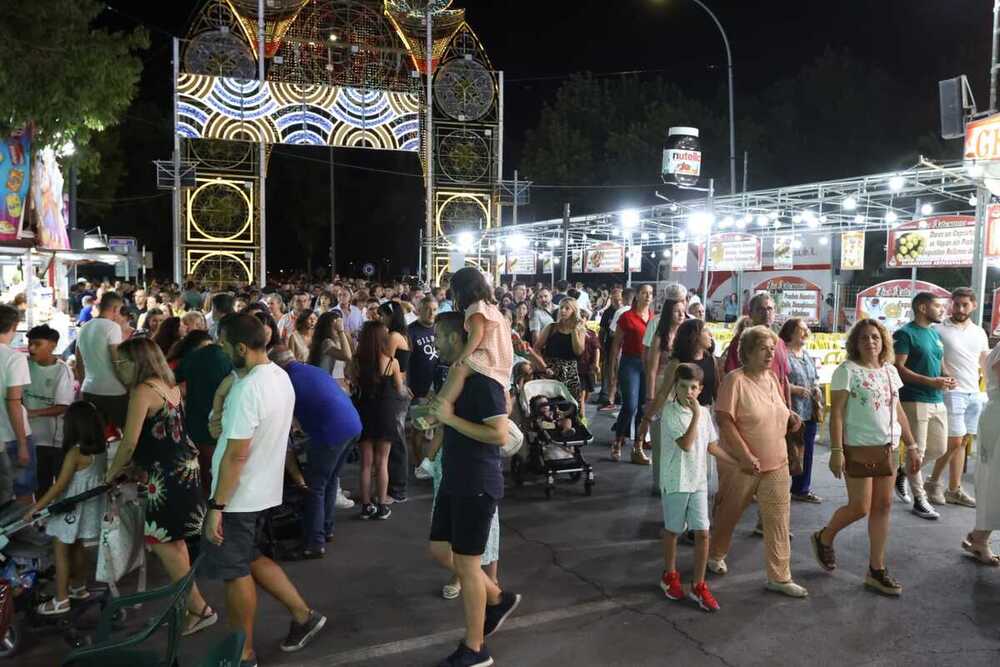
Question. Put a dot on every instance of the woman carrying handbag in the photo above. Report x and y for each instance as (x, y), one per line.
(866, 423)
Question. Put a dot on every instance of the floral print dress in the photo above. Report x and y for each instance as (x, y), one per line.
(175, 507)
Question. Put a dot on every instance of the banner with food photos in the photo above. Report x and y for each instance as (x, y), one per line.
(852, 251)
(605, 257)
(576, 261)
(15, 170)
(890, 302)
(783, 252)
(635, 258)
(793, 297)
(734, 252)
(521, 262)
(943, 240)
(679, 257)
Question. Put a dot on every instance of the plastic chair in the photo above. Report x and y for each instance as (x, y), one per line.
(109, 652)
(226, 653)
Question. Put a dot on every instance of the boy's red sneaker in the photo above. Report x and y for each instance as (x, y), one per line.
(670, 584)
(701, 595)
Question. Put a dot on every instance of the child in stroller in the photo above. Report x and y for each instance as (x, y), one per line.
(553, 418)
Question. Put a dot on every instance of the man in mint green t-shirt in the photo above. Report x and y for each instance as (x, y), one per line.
(919, 352)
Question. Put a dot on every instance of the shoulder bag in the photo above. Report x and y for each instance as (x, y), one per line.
(861, 462)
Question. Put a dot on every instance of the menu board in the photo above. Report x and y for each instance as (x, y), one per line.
(605, 257)
(521, 262)
(793, 297)
(944, 240)
(852, 251)
(734, 252)
(889, 302)
(783, 252)
(679, 257)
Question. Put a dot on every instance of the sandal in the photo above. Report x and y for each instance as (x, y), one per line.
(616, 452)
(206, 619)
(980, 553)
(53, 607)
(79, 592)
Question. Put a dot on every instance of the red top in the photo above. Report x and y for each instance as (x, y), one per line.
(633, 328)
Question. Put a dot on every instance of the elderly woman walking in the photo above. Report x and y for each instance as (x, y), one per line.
(753, 421)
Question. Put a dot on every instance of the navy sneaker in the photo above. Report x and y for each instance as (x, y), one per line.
(466, 657)
(300, 634)
(496, 614)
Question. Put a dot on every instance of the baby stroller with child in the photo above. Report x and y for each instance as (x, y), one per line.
(555, 434)
(25, 564)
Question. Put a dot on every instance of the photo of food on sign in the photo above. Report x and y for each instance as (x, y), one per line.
(909, 246)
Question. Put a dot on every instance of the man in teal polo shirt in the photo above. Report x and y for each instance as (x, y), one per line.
(919, 352)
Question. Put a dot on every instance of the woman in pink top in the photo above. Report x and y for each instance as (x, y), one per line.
(488, 349)
(753, 420)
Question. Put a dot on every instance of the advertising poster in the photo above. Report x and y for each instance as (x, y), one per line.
(793, 297)
(783, 252)
(635, 259)
(889, 302)
(993, 233)
(944, 240)
(521, 262)
(47, 201)
(852, 251)
(576, 261)
(734, 252)
(679, 257)
(15, 168)
(605, 257)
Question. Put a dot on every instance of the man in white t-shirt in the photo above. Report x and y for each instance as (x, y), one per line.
(248, 475)
(46, 398)
(94, 348)
(965, 350)
(541, 314)
(286, 325)
(17, 460)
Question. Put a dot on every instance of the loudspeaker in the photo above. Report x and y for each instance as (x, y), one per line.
(952, 108)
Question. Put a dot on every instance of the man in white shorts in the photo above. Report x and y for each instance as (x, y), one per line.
(965, 350)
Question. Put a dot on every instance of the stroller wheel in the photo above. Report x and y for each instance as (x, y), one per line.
(119, 617)
(574, 476)
(588, 488)
(11, 641)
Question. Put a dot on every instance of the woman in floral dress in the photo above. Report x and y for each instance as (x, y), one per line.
(156, 442)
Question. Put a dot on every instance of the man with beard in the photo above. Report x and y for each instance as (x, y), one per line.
(965, 350)
(919, 354)
(247, 479)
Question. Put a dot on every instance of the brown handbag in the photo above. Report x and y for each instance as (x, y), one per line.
(860, 462)
(796, 444)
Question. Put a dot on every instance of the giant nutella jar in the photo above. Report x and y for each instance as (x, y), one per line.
(682, 156)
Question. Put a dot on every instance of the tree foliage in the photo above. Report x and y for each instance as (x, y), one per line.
(70, 80)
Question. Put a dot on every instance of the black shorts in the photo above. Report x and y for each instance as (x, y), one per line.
(231, 559)
(463, 521)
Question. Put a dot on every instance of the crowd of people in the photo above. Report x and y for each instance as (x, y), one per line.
(215, 398)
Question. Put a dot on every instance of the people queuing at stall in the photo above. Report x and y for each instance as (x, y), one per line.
(220, 395)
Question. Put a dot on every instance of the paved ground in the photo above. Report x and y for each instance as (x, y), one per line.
(588, 569)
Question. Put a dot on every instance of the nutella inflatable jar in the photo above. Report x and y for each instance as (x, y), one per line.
(682, 156)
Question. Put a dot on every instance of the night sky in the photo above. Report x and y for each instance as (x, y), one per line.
(538, 44)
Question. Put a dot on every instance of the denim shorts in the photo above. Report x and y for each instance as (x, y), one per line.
(963, 409)
(685, 509)
(24, 479)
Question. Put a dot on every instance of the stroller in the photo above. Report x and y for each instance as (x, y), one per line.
(25, 565)
(552, 451)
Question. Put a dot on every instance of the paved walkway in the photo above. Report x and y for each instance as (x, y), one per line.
(588, 568)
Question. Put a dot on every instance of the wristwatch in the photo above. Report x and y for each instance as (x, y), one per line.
(212, 505)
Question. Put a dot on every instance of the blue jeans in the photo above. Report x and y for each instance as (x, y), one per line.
(632, 394)
(801, 484)
(322, 470)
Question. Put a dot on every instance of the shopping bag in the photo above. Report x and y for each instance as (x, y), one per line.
(122, 540)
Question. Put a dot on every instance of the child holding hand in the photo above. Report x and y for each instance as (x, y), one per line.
(688, 437)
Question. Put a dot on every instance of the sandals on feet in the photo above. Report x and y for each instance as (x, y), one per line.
(980, 553)
(205, 619)
(53, 607)
(79, 592)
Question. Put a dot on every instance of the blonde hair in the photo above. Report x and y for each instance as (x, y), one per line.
(148, 359)
(752, 338)
(851, 346)
(193, 315)
(571, 302)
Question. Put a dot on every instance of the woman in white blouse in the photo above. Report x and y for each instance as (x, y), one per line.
(866, 412)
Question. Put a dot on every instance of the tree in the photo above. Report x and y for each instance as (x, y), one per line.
(60, 74)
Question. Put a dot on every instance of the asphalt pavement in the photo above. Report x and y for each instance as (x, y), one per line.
(588, 568)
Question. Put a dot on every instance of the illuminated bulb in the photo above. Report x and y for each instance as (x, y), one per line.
(824, 240)
(797, 244)
(662, 236)
(774, 216)
(554, 243)
(896, 183)
(797, 218)
(465, 240)
(975, 170)
(762, 220)
(616, 232)
(666, 254)
(652, 255)
(850, 203)
(742, 222)
(644, 236)
(859, 219)
(891, 217)
(926, 209)
(630, 219)
(727, 222)
(700, 223)
(973, 202)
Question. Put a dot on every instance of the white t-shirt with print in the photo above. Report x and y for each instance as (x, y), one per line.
(259, 407)
(680, 471)
(963, 347)
(13, 373)
(50, 385)
(93, 343)
(870, 418)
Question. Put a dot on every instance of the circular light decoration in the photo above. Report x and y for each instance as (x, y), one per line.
(220, 53)
(462, 213)
(464, 156)
(220, 210)
(221, 268)
(464, 89)
(222, 155)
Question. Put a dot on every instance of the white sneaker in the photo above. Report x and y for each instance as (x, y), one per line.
(425, 470)
(343, 502)
(451, 591)
(717, 566)
(789, 588)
